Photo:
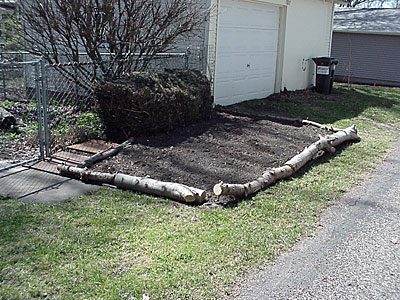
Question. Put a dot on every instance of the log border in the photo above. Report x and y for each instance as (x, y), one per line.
(327, 144)
(189, 194)
(171, 190)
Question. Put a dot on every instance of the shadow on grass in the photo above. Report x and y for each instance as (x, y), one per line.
(343, 103)
(15, 217)
(318, 160)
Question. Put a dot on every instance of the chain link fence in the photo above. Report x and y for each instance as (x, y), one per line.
(70, 93)
(63, 94)
(20, 96)
(74, 83)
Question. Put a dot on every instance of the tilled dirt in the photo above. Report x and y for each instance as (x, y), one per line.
(229, 148)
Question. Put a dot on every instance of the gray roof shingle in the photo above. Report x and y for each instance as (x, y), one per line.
(368, 20)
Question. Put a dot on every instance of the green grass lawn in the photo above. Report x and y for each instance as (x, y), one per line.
(113, 244)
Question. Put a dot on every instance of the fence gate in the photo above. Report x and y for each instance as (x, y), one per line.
(23, 94)
(53, 103)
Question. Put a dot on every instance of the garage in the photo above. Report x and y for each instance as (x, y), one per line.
(247, 47)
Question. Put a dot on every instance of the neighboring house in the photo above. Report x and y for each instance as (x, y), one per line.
(254, 48)
(257, 48)
(367, 44)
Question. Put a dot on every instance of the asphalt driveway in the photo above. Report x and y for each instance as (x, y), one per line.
(355, 254)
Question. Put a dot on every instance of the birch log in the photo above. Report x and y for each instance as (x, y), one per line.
(318, 125)
(327, 143)
(167, 189)
(104, 154)
(171, 190)
(86, 175)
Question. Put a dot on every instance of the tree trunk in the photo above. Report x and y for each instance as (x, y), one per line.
(172, 190)
(288, 169)
(6, 119)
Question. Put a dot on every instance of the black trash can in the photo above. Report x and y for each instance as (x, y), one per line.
(325, 74)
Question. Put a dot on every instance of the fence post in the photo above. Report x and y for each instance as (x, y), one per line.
(44, 103)
(39, 110)
(187, 53)
(74, 65)
(93, 83)
(203, 67)
(4, 79)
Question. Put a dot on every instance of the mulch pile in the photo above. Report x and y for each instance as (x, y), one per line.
(229, 148)
(143, 103)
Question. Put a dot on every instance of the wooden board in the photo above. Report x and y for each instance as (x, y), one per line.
(47, 166)
(70, 157)
(50, 164)
(93, 146)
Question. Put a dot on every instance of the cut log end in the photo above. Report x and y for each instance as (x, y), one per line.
(192, 195)
(218, 189)
(237, 190)
(189, 198)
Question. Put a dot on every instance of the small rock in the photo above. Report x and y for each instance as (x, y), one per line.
(395, 241)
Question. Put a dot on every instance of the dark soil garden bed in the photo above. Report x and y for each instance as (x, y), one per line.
(229, 148)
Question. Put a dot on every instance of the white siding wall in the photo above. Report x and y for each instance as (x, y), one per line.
(212, 33)
(308, 34)
(306, 31)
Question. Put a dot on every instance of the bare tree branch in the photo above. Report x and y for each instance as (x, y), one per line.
(131, 31)
(371, 3)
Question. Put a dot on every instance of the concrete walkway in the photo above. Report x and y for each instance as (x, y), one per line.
(40, 186)
(38, 181)
(356, 254)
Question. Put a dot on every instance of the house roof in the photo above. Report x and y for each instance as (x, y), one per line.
(368, 20)
(8, 3)
(7, 6)
(6, 9)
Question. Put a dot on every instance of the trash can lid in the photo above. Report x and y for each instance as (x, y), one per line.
(325, 61)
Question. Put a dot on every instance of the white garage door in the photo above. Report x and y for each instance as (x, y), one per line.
(246, 51)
